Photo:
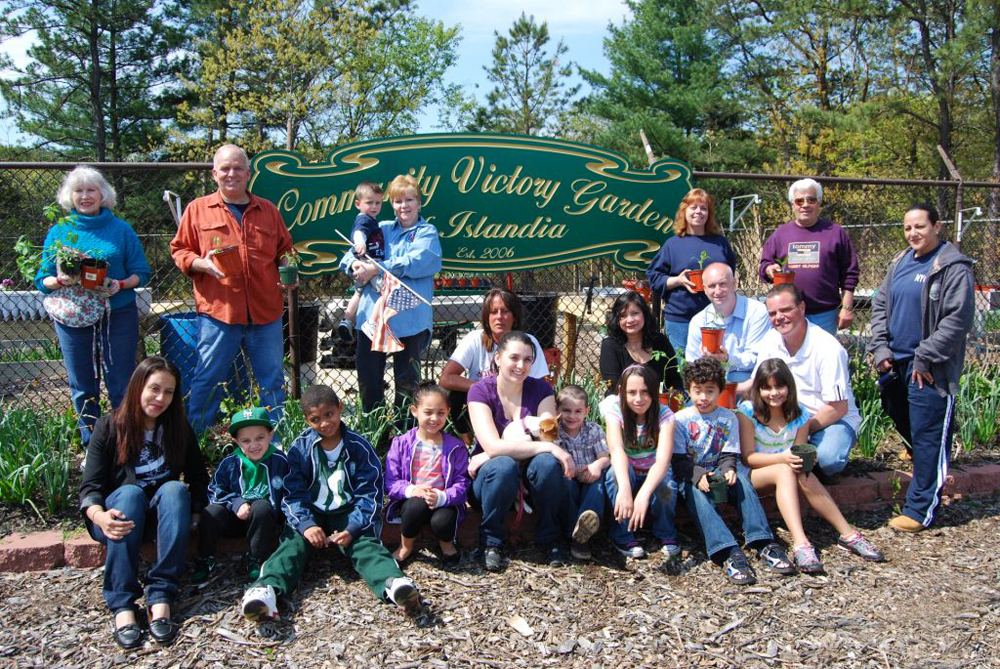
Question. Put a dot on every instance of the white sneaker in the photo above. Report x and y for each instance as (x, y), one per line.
(586, 526)
(260, 603)
(632, 550)
(403, 593)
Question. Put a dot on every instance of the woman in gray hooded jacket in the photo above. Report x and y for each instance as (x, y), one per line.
(921, 316)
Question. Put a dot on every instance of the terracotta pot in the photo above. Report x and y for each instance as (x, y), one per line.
(461, 281)
(673, 400)
(711, 339)
(228, 261)
(93, 273)
(728, 397)
(783, 277)
(475, 281)
(289, 275)
(695, 276)
(448, 282)
(437, 283)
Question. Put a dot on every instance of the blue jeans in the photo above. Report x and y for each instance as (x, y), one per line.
(495, 488)
(114, 353)
(926, 420)
(833, 446)
(661, 513)
(826, 320)
(170, 509)
(717, 536)
(738, 375)
(218, 345)
(405, 368)
(582, 497)
(677, 333)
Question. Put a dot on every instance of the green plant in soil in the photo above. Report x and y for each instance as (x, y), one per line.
(701, 259)
(31, 256)
(978, 406)
(36, 457)
(875, 424)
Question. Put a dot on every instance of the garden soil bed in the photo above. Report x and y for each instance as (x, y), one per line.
(935, 604)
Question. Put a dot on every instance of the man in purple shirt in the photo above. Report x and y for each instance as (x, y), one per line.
(821, 255)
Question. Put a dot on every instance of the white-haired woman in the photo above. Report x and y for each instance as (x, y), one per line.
(109, 345)
(821, 255)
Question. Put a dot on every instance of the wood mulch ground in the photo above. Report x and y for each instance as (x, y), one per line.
(936, 603)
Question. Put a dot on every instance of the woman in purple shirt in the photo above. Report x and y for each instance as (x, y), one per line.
(499, 465)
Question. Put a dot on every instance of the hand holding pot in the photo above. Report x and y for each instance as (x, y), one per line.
(109, 288)
(206, 266)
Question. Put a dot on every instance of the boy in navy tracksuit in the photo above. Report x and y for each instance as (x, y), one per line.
(245, 495)
(333, 496)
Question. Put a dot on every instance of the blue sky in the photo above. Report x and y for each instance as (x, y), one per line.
(581, 25)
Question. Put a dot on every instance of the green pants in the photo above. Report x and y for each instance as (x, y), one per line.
(370, 558)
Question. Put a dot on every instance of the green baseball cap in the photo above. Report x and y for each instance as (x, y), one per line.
(249, 417)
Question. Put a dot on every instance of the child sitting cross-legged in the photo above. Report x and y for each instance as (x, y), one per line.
(333, 497)
(641, 441)
(771, 421)
(427, 477)
(584, 441)
(245, 495)
(707, 443)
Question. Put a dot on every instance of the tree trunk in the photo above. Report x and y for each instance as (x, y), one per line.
(994, 38)
(100, 137)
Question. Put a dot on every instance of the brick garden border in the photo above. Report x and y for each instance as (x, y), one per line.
(40, 551)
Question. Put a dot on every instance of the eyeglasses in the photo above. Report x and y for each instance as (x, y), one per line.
(799, 201)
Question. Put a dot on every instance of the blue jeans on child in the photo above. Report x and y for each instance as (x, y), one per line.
(494, 491)
(713, 528)
(118, 341)
(662, 513)
(833, 446)
(582, 497)
(218, 345)
(170, 509)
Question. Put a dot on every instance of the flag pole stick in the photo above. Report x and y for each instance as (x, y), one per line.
(379, 265)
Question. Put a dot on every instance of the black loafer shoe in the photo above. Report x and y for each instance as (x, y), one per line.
(163, 630)
(128, 636)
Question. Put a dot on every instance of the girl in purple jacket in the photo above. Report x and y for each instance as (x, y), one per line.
(427, 477)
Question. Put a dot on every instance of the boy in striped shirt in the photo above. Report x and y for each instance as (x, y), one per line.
(333, 497)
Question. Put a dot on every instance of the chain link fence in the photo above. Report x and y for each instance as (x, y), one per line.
(566, 307)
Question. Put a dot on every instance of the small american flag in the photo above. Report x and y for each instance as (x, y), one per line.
(394, 299)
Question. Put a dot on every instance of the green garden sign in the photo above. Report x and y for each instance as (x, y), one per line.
(499, 202)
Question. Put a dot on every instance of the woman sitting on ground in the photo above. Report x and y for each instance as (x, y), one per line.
(131, 485)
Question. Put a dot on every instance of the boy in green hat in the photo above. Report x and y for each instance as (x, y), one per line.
(245, 495)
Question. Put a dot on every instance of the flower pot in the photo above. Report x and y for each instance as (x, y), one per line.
(720, 489)
(228, 261)
(93, 273)
(437, 283)
(673, 400)
(461, 281)
(711, 339)
(475, 282)
(695, 277)
(783, 277)
(728, 397)
(808, 454)
(448, 282)
(288, 275)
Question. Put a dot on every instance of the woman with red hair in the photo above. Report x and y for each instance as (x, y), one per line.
(695, 233)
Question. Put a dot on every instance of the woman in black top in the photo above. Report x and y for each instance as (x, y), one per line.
(633, 338)
(131, 484)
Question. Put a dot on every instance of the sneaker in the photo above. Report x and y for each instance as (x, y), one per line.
(555, 557)
(259, 603)
(905, 524)
(671, 550)
(586, 526)
(252, 566)
(738, 570)
(776, 560)
(580, 551)
(345, 330)
(203, 570)
(856, 543)
(451, 560)
(632, 549)
(806, 559)
(492, 558)
(404, 594)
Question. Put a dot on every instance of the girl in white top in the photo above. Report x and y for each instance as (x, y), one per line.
(771, 421)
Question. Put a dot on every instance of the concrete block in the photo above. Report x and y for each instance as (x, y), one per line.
(891, 486)
(984, 479)
(31, 552)
(853, 491)
(83, 552)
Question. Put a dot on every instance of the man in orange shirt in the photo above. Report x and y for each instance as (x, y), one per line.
(240, 307)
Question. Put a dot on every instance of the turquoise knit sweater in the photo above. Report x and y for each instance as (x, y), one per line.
(105, 236)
